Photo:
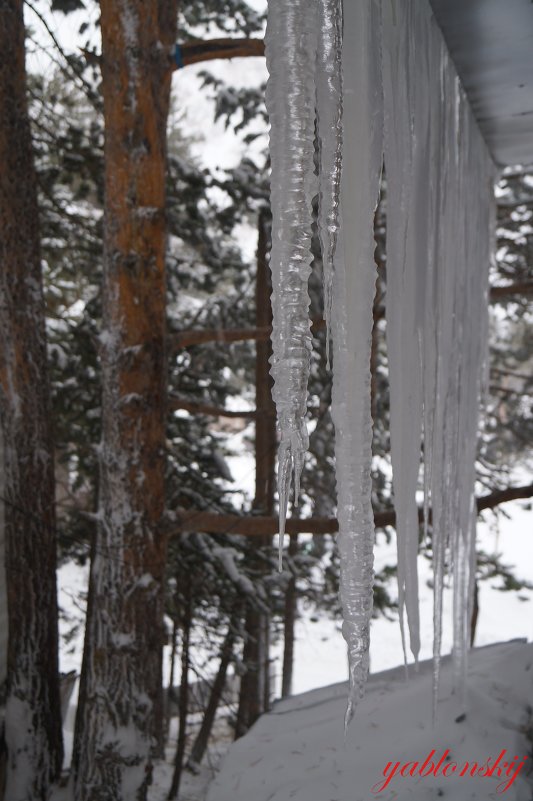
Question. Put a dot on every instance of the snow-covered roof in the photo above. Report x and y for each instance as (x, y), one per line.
(491, 43)
(298, 752)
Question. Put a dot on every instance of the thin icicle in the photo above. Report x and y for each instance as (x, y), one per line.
(472, 331)
(353, 293)
(329, 119)
(291, 47)
(438, 209)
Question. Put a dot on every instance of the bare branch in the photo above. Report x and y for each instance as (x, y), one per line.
(194, 52)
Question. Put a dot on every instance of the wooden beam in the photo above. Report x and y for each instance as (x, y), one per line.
(206, 408)
(524, 288)
(184, 339)
(261, 525)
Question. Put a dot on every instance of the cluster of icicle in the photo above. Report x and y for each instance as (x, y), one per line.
(391, 93)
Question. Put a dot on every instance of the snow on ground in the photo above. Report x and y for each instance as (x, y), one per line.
(298, 752)
(320, 654)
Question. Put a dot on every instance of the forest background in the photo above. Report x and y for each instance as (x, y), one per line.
(225, 603)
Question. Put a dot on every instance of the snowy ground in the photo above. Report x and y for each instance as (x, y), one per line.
(298, 752)
(320, 656)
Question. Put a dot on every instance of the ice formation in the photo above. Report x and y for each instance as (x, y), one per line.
(291, 48)
(407, 260)
(329, 126)
(353, 295)
(393, 93)
(438, 236)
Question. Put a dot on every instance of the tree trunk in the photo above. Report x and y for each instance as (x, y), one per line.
(3, 623)
(254, 696)
(122, 708)
(33, 718)
(288, 625)
(265, 428)
(252, 693)
(183, 702)
(173, 643)
(202, 738)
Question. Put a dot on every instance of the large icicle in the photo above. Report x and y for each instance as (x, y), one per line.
(406, 142)
(291, 47)
(329, 120)
(353, 293)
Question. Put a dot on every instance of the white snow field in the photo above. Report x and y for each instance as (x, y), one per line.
(298, 751)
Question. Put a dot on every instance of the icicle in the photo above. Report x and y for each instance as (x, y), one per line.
(406, 131)
(439, 212)
(476, 171)
(353, 293)
(291, 47)
(329, 119)
(438, 208)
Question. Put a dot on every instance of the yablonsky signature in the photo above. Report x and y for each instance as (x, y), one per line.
(499, 767)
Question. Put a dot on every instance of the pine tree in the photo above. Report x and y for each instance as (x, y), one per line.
(120, 704)
(32, 717)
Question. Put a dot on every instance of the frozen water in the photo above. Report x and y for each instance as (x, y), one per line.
(291, 47)
(354, 283)
(395, 75)
(439, 177)
(406, 129)
(329, 124)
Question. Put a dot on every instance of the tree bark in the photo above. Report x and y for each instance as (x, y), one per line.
(33, 718)
(122, 709)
